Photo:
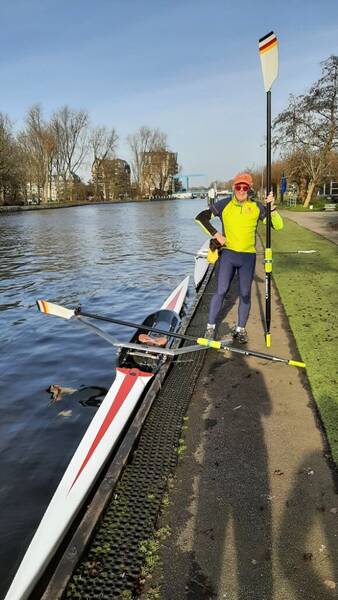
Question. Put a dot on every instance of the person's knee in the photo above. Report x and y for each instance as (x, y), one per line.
(220, 296)
(246, 298)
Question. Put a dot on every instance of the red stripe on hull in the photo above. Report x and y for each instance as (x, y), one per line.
(172, 304)
(130, 378)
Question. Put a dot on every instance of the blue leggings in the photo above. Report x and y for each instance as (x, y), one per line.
(229, 262)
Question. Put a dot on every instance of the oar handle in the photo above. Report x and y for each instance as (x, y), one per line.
(224, 345)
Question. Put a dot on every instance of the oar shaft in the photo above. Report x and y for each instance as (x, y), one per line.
(134, 325)
(221, 345)
(217, 345)
(268, 251)
(268, 167)
(291, 252)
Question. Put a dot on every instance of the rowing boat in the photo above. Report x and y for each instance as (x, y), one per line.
(201, 264)
(137, 365)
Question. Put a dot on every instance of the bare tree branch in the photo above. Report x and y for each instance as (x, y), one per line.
(308, 127)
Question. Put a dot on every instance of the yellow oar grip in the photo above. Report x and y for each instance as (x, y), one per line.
(212, 256)
(209, 343)
(268, 260)
(296, 363)
(268, 340)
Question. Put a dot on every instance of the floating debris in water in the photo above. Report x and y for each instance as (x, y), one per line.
(65, 413)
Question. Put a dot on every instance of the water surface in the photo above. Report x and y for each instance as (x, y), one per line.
(113, 259)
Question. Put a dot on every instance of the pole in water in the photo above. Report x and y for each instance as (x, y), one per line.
(268, 51)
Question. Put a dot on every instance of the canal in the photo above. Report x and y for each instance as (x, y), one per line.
(112, 259)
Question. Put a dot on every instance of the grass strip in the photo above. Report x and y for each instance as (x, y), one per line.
(308, 286)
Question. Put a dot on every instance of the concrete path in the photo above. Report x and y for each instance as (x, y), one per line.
(253, 510)
(324, 223)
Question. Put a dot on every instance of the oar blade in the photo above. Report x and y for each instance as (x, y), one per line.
(54, 309)
(268, 52)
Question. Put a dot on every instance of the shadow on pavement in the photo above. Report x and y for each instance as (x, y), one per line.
(223, 512)
(308, 536)
(231, 542)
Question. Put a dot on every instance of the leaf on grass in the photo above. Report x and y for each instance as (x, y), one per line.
(308, 471)
(330, 584)
(307, 556)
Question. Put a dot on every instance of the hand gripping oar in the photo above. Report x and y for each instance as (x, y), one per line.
(202, 343)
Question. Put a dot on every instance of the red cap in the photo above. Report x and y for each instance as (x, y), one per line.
(243, 178)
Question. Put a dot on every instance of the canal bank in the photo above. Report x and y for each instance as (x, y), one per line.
(53, 205)
(253, 508)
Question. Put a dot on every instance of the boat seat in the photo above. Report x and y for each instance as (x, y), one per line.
(144, 338)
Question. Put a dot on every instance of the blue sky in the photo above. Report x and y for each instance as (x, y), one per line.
(189, 67)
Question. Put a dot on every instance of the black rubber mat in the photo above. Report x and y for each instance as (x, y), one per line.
(112, 565)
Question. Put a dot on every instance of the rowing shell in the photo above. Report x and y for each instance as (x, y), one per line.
(133, 374)
(201, 264)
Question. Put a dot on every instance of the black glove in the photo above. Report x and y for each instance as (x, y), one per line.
(214, 244)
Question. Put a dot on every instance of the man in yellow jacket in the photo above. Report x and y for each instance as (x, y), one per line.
(239, 217)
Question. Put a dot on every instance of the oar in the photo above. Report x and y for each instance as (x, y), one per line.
(66, 313)
(177, 248)
(191, 253)
(268, 51)
(258, 253)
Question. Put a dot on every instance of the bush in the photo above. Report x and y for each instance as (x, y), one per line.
(319, 202)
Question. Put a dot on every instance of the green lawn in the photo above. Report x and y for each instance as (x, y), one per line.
(308, 286)
(300, 208)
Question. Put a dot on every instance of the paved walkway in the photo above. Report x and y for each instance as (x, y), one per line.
(253, 511)
(324, 223)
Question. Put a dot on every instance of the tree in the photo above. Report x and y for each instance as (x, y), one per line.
(38, 146)
(11, 164)
(308, 128)
(6, 144)
(158, 166)
(143, 141)
(70, 129)
(103, 144)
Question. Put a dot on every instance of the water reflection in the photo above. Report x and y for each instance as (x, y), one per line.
(116, 260)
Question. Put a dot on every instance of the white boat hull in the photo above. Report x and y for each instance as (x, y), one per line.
(201, 264)
(86, 464)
